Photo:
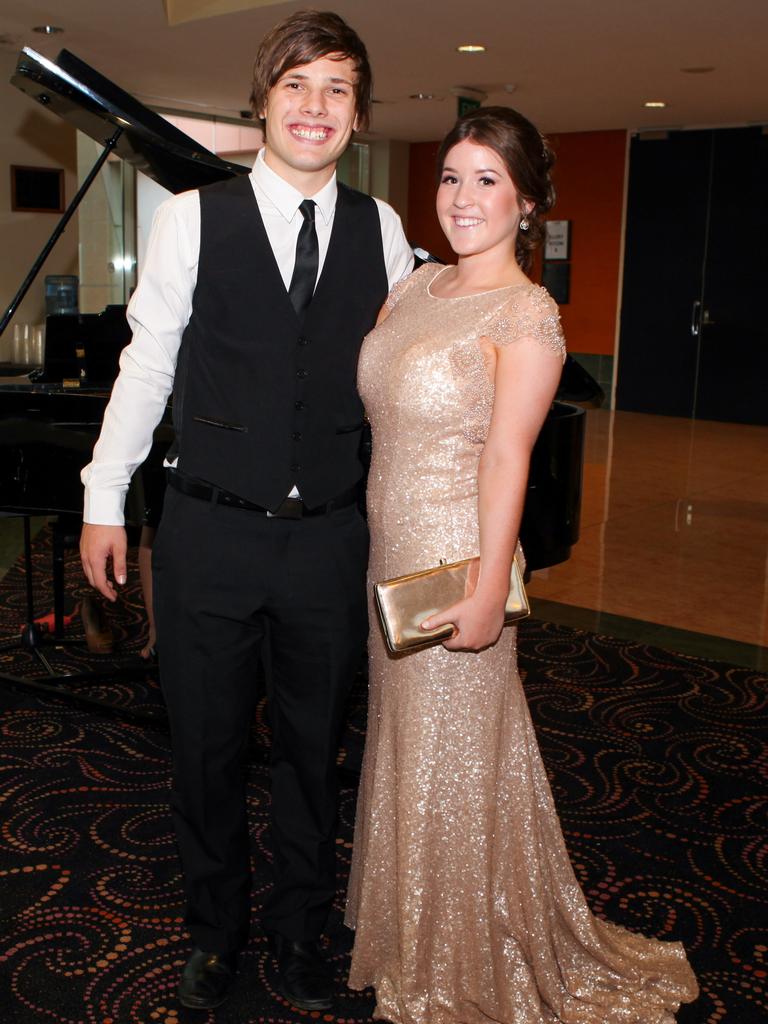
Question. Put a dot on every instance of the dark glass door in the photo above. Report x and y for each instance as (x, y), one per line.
(732, 382)
(693, 341)
(663, 265)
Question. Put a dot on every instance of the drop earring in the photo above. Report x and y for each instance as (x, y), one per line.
(524, 225)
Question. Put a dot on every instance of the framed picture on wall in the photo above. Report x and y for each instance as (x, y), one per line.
(557, 245)
(37, 189)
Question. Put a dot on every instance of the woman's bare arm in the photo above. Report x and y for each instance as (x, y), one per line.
(526, 376)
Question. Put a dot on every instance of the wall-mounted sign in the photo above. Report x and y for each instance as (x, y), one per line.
(558, 240)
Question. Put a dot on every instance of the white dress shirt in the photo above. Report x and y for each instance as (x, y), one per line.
(161, 307)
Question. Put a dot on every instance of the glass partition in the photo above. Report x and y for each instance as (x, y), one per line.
(107, 230)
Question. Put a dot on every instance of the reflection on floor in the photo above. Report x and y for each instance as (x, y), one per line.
(674, 537)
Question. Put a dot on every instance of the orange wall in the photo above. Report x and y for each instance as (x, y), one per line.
(589, 177)
(422, 227)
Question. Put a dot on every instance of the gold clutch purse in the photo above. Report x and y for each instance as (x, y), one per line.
(405, 602)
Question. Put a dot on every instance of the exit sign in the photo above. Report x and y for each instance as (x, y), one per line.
(466, 104)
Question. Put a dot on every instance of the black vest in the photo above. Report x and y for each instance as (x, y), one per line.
(261, 400)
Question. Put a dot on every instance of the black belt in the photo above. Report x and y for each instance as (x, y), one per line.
(289, 508)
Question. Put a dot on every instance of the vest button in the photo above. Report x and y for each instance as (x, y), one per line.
(301, 374)
(299, 406)
(296, 435)
(295, 467)
(303, 341)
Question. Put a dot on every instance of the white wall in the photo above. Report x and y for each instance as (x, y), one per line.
(31, 137)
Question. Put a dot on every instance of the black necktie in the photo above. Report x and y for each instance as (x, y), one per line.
(305, 271)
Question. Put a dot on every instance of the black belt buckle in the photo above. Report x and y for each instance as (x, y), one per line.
(289, 508)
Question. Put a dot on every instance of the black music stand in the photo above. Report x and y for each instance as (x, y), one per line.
(32, 636)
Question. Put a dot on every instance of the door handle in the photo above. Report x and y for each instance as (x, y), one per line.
(695, 319)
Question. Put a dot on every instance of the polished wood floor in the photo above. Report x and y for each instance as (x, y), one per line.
(674, 527)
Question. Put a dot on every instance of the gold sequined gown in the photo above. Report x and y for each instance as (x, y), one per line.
(463, 898)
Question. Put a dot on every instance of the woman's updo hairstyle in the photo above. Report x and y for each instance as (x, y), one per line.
(527, 157)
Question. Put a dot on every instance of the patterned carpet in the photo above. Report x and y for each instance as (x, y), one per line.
(657, 761)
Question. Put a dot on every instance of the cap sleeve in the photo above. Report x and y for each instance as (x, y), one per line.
(396, 293)
(528, 313)
(424, 274)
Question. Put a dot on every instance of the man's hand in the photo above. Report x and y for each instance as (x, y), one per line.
(97, 545)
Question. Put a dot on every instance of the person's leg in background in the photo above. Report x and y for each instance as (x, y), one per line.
(153, 478)
(146, 540)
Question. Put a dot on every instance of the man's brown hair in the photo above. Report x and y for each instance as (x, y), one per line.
(302, 38)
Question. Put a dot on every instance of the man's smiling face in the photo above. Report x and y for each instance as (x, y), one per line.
(310, 117)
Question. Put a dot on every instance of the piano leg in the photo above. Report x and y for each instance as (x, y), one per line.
(58, 580)
(31, 633)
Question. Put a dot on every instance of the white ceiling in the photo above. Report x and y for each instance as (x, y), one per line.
(575, 65)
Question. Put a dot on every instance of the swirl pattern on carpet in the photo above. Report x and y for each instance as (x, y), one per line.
(658, 763)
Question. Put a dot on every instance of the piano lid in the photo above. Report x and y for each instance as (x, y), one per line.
(96, 106)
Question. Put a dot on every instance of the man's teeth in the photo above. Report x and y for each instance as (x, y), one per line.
(467, 222)
(310, 133)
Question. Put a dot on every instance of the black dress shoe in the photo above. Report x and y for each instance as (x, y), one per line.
(306, 979)
(206, 979)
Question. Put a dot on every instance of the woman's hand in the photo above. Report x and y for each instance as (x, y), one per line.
(477, 622)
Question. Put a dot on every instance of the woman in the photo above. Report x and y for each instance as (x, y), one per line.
(464, 901)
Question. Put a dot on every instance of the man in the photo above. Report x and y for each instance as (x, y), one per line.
(252, 306)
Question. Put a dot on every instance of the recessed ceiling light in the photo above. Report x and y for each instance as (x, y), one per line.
(655, 103)
(471, 48)
(422, 96)
(704, 70)
(47, 30)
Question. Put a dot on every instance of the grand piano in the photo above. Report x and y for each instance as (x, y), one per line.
(49, 420)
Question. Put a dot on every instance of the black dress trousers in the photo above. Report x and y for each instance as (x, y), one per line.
(233, 587)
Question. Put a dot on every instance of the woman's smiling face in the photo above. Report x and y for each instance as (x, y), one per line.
(477, 202)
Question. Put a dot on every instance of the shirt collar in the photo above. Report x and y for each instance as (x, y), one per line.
(285, 198)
